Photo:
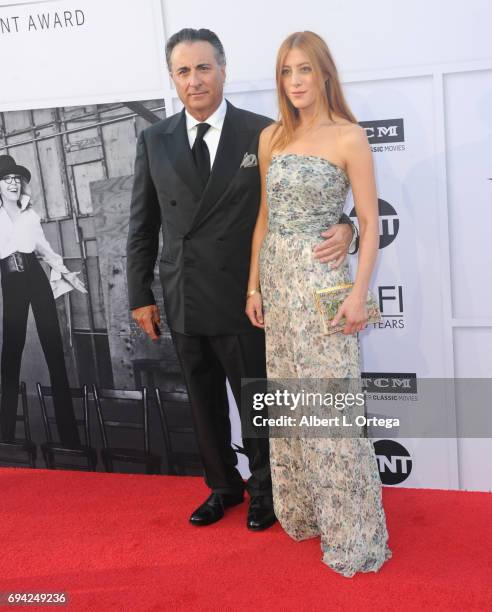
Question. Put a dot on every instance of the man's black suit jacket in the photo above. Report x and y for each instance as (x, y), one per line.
(207, 233)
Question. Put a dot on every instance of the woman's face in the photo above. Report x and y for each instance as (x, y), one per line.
(10, 187)
(298, 79)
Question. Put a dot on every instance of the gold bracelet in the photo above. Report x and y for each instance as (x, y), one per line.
(252, 292)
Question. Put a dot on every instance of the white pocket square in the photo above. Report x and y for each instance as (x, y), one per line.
(249, 160)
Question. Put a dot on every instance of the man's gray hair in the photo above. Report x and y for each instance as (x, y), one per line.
(192, 35)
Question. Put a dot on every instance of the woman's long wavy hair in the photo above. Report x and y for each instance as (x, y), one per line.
(330, 96)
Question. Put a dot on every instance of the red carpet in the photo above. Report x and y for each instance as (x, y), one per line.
(122, 542)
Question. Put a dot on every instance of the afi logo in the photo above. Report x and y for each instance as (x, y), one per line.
(394, 461)
(390, 299)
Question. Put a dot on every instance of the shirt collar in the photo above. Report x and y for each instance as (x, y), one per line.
(215, 120)
(25, 200)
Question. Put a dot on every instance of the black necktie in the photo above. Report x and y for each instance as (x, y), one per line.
(201, 153)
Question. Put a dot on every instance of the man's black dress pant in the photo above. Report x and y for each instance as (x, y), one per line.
(206, 361)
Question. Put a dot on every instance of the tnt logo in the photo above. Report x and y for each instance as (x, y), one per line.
(389, 224)
(394, 461)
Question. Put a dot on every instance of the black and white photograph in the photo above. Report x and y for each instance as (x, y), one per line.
(66, 319)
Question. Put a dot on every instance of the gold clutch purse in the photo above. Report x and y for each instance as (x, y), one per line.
(328, 302)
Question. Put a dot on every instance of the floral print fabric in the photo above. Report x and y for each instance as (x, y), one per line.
(321, 486)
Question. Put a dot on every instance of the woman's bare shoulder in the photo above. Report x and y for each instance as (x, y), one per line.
(268, 132)
(354, 144)
(266, 137)
(353, 133)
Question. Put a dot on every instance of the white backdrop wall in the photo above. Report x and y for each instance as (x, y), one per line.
(67, 53)
(427, 65)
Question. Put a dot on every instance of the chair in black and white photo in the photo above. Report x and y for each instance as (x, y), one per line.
(115, 408)
(53, 451)
(20, 451)
(179, 438)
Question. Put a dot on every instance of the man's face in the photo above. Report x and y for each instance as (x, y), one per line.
(198, 77)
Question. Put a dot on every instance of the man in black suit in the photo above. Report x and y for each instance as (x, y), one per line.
(190, 180)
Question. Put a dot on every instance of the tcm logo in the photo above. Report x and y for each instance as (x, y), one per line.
(394, 461)
(394, 382)
(384, 130)
(389, 224)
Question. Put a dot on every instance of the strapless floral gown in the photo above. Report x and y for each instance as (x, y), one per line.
(321, 486)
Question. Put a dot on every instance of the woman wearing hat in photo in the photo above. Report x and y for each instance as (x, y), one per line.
(25, 284)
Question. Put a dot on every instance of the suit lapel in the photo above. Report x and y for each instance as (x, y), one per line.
(179, 154)
(227, 161)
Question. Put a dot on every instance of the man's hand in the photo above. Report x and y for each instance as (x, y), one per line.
(254, 310)
(148, 318)
(335, 248)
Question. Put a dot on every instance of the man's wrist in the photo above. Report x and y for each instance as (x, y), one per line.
(354, 244)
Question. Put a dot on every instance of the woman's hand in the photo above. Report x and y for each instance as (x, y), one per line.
(76, 283)
(254, 309)
(353, 308)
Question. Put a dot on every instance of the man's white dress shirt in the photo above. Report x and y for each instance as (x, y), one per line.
(212, 135)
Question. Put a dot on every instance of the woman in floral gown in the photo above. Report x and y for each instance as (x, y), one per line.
(309, 159)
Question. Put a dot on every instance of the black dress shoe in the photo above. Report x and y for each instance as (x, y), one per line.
(260, 513)
(212, 510)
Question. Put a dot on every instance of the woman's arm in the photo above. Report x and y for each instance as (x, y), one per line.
(254, 308)
(53, 259)
(43, 247)
(360, 170)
